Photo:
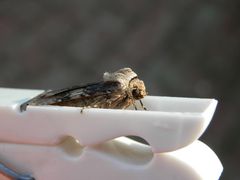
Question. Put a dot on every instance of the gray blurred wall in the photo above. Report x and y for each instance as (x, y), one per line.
(179, 48)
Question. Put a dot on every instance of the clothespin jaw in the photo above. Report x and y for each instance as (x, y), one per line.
(37, 134)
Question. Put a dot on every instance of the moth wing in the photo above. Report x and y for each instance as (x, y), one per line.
(68, 95)
(50, 93)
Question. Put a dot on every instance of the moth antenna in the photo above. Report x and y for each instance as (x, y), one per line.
(142, 105)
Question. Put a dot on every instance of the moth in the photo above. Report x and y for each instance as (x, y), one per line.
(118, 90)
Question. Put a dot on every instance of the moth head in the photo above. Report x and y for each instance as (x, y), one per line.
(137, 88)
(129, 81)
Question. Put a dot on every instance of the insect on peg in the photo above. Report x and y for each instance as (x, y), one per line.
(118, 90)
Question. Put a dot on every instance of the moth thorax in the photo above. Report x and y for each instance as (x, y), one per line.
(124, 76)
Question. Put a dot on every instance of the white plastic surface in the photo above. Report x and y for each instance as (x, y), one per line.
(169, 123)
(40, 140)
(120, 159)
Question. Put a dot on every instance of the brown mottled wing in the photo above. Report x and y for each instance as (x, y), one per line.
(107, 94)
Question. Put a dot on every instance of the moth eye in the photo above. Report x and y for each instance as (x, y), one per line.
(135, 92)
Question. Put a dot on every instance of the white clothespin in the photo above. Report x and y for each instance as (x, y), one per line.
(52, 142)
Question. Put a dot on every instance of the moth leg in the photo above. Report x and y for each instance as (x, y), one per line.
(143, 107)
(135, 107)
(82, 108)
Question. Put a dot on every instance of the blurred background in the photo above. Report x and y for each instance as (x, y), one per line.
(179, 48)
